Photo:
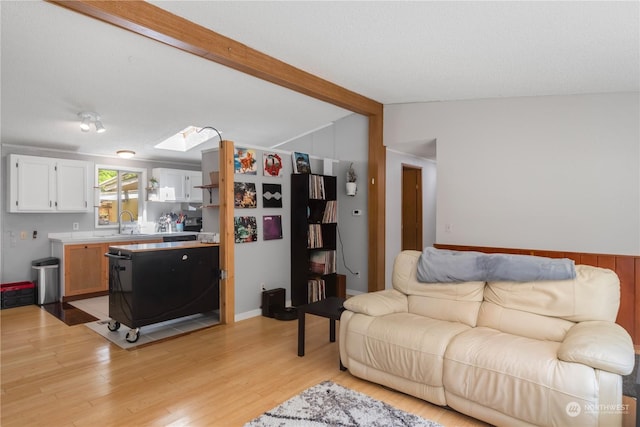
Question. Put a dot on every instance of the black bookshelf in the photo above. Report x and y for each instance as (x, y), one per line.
(313, 237)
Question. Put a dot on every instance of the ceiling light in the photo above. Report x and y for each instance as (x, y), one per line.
(99, 127)
(125, 154)
(84, 125)
(88, 117)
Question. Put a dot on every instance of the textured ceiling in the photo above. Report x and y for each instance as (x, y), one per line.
(56, 63)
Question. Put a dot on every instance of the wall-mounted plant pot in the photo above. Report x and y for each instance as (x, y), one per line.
(352, 188)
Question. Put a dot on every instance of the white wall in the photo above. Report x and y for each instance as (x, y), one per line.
(393, 217)
(269, 262)
(555, 172)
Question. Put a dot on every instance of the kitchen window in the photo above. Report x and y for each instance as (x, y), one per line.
(119, 195)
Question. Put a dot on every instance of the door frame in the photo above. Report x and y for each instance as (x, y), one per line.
(406, 167)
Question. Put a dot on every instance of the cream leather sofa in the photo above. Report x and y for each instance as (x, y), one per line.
(535, 353)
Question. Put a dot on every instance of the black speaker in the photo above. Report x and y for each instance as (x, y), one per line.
(272, 301)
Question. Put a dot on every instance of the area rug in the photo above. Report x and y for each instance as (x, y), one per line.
(156, 332)
(330, 404)
(67, 313)
(99, 307)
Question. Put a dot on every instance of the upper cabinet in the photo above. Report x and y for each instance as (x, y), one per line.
(44, 184)
(177, 185)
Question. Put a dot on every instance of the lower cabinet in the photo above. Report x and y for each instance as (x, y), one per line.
(85, 269)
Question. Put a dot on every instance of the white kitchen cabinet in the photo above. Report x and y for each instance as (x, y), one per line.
(45, 184)
(195, 180)
(176, 185)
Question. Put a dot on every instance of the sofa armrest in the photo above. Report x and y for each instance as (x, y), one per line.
(378, 303)
(599, 344)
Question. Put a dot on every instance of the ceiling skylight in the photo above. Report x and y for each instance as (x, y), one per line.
(186, 139)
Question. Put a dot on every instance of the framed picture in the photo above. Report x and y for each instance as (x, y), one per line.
(244, 161)
(271, 227)
(301, 163)
(272, 165)
(245, 229)
(271, 195)
(244, 195)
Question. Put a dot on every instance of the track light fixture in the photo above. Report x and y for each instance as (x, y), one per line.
(88, 117)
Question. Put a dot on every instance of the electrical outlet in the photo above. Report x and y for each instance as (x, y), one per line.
(357, 274)
(262, 287)
(76, 226)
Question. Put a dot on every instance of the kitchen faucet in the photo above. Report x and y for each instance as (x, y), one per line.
(120, 219)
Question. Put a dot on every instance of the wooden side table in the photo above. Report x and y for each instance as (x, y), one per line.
(330, 308)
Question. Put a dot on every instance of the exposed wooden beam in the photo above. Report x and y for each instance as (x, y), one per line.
(158, 24)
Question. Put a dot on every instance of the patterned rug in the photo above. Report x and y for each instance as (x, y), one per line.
(330, 404)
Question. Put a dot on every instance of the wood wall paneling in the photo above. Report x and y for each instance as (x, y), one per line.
(627, 267)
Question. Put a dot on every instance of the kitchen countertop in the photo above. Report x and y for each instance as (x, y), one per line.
(145, 247)
(99, 237)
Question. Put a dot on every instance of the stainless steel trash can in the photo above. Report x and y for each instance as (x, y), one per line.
(46, 277)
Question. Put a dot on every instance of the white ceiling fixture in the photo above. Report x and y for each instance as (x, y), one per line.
(126, 154)
(88, 117)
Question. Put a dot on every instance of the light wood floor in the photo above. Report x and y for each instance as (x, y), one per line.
(58, 375)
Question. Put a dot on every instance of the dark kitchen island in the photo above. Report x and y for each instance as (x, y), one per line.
(154, 282)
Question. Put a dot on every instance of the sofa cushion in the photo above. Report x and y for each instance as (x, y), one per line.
(523, 323)
(519, 377)
(403, 344)
(378, 303)
(453, 302)
(603, 345)
(445, 309)
(593, 295)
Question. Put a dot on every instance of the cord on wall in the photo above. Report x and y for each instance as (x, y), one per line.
(355, 273)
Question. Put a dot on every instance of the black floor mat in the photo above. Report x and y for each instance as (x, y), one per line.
(629, 381)
(68, 314)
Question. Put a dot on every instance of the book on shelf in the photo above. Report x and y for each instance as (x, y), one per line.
(322, 262)
(330, 214)
(316, 187)
(314, 238)
(316, 290)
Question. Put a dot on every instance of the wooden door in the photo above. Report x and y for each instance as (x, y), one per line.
(411, 208)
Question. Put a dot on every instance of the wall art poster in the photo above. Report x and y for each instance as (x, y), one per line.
(245, 161)
(271, 195)
(272, 227)
(301, 163)
(272, 165)
(245, 229)
(244, 195)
